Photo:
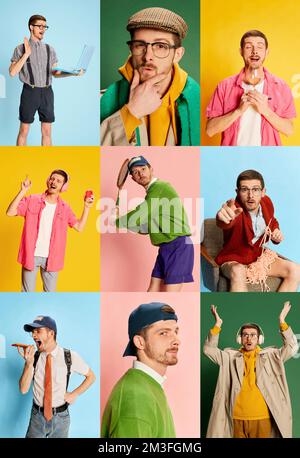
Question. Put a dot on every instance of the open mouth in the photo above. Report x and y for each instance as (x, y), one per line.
(38, 344)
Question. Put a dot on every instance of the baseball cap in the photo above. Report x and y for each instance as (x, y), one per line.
(41, 322)
(142, 316)
(137, 161)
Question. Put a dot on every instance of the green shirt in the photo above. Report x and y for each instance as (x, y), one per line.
(161, 215)
(137, 407)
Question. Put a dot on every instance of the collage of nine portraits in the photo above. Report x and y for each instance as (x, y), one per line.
(158, 273)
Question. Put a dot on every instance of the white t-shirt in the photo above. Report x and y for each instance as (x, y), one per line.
(45, 229)
(250, 121)
(59, 375)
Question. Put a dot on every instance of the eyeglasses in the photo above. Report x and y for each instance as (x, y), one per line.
(252, 335)
(159, 49)
(256, 190)
(41, 27)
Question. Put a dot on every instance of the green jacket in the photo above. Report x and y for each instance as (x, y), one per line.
(137, 407)
(188, 108)
(161, 215)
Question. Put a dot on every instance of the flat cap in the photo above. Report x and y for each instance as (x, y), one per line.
(160, 19)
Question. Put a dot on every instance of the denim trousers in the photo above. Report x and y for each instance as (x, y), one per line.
(57, 427)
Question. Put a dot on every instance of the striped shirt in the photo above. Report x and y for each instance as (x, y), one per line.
(38, 59)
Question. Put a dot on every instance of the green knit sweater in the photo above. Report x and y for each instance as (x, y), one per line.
(161, 215)
(137, 407)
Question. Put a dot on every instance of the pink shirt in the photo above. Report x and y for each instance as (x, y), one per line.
(31, 208)
(226, 98)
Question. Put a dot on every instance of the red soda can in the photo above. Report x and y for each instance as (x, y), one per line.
(88, 193)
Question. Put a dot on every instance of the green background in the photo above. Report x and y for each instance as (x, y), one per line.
(236, 309)
(114, 50)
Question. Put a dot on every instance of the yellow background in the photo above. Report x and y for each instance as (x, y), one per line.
(222, 25)
(81, 270)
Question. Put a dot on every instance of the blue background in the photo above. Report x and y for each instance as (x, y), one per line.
(280, 167)
(78, 324)
(72, 23)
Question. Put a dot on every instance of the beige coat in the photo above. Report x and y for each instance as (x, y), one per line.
(270, 379)
(113, 133)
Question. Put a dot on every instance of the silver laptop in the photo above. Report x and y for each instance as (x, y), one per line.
(83, 62)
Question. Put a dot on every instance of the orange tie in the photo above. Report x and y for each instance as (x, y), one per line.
(48, 390)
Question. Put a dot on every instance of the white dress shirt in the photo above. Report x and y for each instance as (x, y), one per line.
(148, 370)
(59, 375)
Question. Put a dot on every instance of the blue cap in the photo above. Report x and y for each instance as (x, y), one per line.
(137, 161)
(142, 316)
(41, 322)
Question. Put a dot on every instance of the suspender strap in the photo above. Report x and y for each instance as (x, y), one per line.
(48, 64)
(68, 361)
(29, 68)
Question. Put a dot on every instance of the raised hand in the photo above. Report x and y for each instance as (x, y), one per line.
(286, 308)
(144, 98)
(219, 321)
(26, 184)
(89, 201)
(27, 47)
(229, 212)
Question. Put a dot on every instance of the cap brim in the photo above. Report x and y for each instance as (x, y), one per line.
(130, 349)
(31, 326)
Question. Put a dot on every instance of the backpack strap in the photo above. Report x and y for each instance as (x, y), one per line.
(68, 361)
(48, 64)
(29, 68)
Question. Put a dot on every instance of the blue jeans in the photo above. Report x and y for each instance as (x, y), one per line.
(57, 427)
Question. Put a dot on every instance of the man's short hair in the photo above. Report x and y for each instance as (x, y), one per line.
(60, 172)
(250, 175)
(34, 18)
(253, 33)
(143, 332)
(250, 326)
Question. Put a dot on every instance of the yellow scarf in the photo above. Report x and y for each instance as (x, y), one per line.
(159, 121)
(249, 368)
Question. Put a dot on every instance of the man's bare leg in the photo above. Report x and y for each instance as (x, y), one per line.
(237, 274)
(155, 285)
(46, 133)
(23, 133)
(174, 288)
(289, 271)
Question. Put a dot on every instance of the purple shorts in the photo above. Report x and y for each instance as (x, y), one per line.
(175, 261)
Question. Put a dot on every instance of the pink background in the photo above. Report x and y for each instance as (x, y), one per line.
(182, 386)
(129, 258)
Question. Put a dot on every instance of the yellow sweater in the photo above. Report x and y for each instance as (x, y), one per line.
(158, 122)
(250, 404)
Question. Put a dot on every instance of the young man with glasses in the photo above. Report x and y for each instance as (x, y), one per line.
(248, 222)
(33, 61)
(253, 107)
(155, 103)
(252, 396)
